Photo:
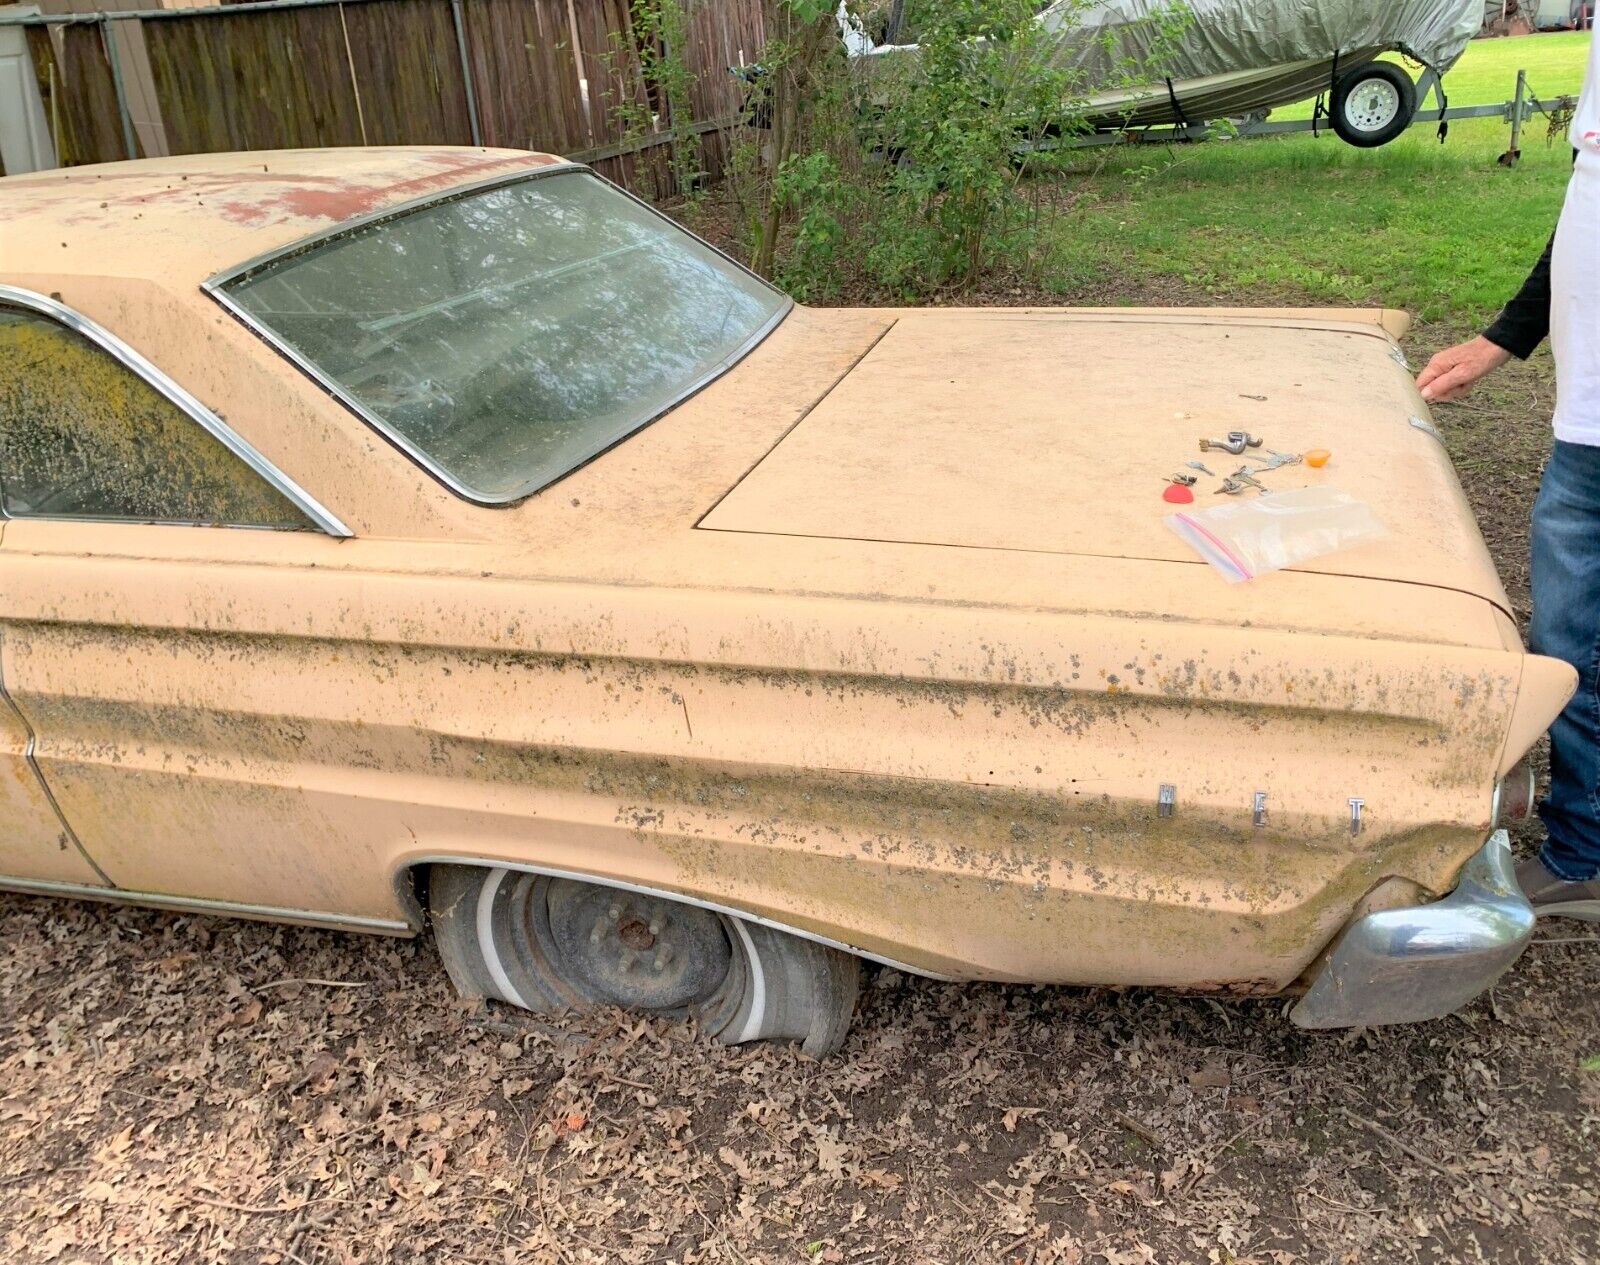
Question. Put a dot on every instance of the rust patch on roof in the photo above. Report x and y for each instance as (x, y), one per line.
(256, 198)
(334, 199)
(178, 220)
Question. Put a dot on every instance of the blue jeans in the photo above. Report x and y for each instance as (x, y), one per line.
(1566, 625)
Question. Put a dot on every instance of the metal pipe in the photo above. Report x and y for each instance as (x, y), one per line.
(355, 79)
(466, 71)
(55, 112)
(1514, 152)
(114, 60)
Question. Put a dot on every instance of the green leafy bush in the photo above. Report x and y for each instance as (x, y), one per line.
(913, 173)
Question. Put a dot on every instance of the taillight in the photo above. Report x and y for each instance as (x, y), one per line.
(1513, 794)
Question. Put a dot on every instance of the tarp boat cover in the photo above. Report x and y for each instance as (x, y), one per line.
(1225, 36)
(1233, 56)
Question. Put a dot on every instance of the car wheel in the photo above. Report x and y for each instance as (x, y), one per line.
(552, 945)
(1373, 104)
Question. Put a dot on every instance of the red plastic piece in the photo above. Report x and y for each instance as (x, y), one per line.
(1178, 494)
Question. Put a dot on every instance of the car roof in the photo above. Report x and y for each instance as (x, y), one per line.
(180, 220)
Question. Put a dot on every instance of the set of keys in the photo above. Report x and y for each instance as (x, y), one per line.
(1241, 479)
(1239, 443)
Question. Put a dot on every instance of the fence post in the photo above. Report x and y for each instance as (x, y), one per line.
(114, 60)
(466, 71)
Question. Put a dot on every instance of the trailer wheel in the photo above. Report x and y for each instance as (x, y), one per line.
(555, 944)
(1373, 104)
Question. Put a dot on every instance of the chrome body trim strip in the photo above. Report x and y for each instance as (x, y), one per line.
(214, 286)
(1426, 427)
(29, 745)
(403, 886)
(320, 516)
(1408, 965)
(191, 904)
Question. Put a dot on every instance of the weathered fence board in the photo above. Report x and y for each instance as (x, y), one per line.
(254, 80)
(721, 37)
(558, 75)
(80, 100)
(408, 73)
(529, 94)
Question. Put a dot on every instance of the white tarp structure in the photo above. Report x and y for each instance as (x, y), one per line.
(1226, 36)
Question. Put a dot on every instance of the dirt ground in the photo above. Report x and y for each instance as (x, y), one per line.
(188, 1089)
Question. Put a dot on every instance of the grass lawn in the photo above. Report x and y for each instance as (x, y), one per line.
(1441, 230)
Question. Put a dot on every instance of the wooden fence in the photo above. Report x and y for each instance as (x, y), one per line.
(554, 75)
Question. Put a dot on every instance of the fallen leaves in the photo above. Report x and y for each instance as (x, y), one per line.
(1213, 1076)
(186, 1115)
(244, 1017)
(1013, 1114)
(319, 1074)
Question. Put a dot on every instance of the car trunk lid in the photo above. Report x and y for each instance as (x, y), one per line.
(1056, 432)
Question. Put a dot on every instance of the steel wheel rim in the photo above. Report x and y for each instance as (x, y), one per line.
(631, 950)
(542, 961)
(1373, 105)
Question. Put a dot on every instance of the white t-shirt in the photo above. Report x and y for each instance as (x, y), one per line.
(1575, 276)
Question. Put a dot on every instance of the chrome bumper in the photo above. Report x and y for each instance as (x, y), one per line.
(1406, 965)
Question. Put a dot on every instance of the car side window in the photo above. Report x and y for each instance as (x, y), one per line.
(83, 436)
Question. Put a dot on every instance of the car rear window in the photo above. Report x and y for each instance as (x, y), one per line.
(506, 336)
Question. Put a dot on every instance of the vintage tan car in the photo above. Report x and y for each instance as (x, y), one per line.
(403, 529)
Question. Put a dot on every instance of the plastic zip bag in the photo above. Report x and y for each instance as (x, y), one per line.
(1244, 539)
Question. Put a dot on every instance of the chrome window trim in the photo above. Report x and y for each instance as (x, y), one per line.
(123, 354)
(213, 286)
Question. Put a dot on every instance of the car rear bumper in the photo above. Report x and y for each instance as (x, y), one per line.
(1406, 965)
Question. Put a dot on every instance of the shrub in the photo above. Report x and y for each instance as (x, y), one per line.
(913, 173)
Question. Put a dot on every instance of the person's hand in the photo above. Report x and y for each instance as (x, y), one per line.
(1454, 371)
